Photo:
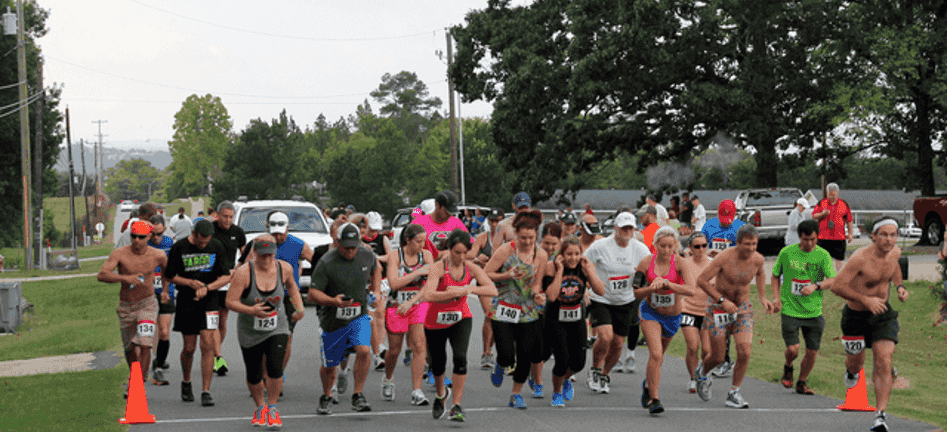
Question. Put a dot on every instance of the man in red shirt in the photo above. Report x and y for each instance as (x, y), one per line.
(649, 217)
(834, 215)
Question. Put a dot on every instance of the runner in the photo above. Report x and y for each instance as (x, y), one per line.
(722, 233)
(506, 233)
(734, 269)
(440, 222)
(517, 267)
(232, 238)
(550, 243)
(868, 321)
(693, 316)
(590, 233)
(565, 330)
(483, 248)
(144, 214)
(137, 308)
(370, 224)
(806, 270)
(613, 314)
(164, 293)
(338, 286)
(408, 269)
(195, 266)
(261, 328)
(649, 217)
(448, 319)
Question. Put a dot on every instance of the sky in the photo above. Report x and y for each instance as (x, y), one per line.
(131, 63)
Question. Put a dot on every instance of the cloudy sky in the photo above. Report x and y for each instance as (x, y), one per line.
(133, 62)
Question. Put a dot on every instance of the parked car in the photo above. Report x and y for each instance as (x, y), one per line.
(768, 209)
(910, 230)
(931, 211)
(128, 205)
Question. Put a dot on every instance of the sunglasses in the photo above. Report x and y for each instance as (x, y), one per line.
(136, 236)
(157, 234)
(699, 246)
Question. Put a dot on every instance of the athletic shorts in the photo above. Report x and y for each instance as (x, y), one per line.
(334, 346)
(165, 308)
(288, 308)
(873, 327)
(221, 299)
(688, 320)
(192, 316)
(399, 324)
(669, 324)
(130, 315)
(836, 248)
(621, 318)
(811, 330)
(743, 322)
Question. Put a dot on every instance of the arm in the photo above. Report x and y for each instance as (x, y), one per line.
(317, 290)
(646, 288)
(240, 283)
(376, 286)
(536, 287)
(306, 254)
(898, 280)
(434, 275)
(761, 286)
(478, 244)
(496, 262)
(598, 287)
(552, 291)
(485, 286)
(777, 298)
(107, 272)
(294, 296)
(841, 287)
(687, 288)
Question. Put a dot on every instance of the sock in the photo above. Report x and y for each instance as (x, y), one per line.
(734, 389)
(162, 355)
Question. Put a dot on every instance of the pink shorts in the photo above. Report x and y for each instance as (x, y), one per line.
(399, 324)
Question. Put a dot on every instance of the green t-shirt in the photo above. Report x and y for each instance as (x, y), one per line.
(800, 269)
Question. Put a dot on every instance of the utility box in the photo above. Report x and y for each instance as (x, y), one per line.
(62, 260)
(11, 315)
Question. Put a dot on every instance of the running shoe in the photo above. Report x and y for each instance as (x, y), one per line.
(457, 413)
(430, 378)
(273, 420)
(655, 407)
(786, 380)
(335, 394)
(438, 409)
(158, 378)
(537, 391)
(591, 342)
(881, 422)
(645, 394)
(187, 395)
(558, 400)
(593, 380)
(803, 388)
(630, 363)
(734, 400)
(511, 369)
(388, 390)
(343, 380)
(723, 369)
(379, 362)
(359, 403)
(325, 405)
(206, 400)
(692, 386)
(487, 361)
(703, 384)
(530, 382)
(603, 381)
(259, 416)
(166, 366)
(418, 398)
(568, 391)
(497, 376)
(407, 356)
(619, 367)
(220, 366)
(516, 401)
(851, 379)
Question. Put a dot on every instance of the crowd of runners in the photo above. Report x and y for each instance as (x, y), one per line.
(550, 292)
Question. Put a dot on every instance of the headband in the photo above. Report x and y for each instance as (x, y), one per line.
(882, 223)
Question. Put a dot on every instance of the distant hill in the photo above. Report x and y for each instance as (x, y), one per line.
(159, 157)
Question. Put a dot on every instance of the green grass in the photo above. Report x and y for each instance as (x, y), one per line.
(96, 251)
(59, 207)
(919, 356)
(85, 267)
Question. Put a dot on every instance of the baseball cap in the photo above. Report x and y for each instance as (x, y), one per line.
(727, 211)
(278, 223)
(350, 207)
(263, 247)
(141, 228)
(648, 209)
(374, 221)
(427, 206)
(803, 202)
(625, 219)
(349, 235)
(495, 213)
(204, 228)
(522, 199)
(591, 228)
(336, 213)
(568, 218)
(416, 212)
(446, 199)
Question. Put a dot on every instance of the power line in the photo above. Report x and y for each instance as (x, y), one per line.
(281, 35)
(29, 101)
(228, 103)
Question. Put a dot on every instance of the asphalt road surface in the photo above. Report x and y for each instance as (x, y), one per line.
(771, 406)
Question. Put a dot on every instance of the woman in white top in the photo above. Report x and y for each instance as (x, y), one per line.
(796, 215)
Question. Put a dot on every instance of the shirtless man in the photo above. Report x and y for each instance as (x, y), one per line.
(505, 232)
(867, 319)
(732, 313)
(137, 305)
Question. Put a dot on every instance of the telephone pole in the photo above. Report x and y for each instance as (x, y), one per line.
(72, 181)
(98, 175)
(24, 138)
(453, 119)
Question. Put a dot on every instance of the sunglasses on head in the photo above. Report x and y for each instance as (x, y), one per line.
(137, 236)
(699, 246)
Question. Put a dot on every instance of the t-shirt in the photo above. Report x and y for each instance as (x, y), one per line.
(336, 275)
(191, 262)
(290, 251)
(800, 269)
(721, 238)
(165, 246)
(232, 239)
(615, 266)
(839, 213)
(648, 235)
(687, 212)
(571, 292)
(181, 226)
(437, 233)
(700, 214)
(663, 216)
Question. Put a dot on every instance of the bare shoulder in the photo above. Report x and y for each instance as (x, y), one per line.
(758, 259)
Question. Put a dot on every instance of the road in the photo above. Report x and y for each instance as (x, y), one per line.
(771, 406)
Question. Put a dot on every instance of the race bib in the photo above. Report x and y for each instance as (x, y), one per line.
(347, 313)
(619, 283)
(687, 320)
(719, 244)
(723, 319)
(449, 318)
(570, 313)
(798, 285)
(853, 345)
(146, 328)
(213, 320)
(405, 295)
(266, 324)
(508, 313)
(157, 283)
(662, 298)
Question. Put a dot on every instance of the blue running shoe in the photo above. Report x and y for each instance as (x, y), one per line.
(497, 376)
(537, 391)
(430, 378)
(530, 382)
(558, 400)
(516, 401)
(567, 390)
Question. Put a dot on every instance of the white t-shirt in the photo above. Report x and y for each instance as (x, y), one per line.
(615, 266)
(700, 217)
(125, 239)
(663, 217)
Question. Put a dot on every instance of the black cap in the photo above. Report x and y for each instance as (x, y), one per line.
(447, 200)
(204, 228)
(336, 213)
(349, 235)
(495, 213)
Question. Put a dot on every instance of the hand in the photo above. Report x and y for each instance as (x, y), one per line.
(767, 305)
(809, 289)
(458, 292)
(165, 297)
(729, 307)
(850, 237)
(340, 303)
(298, 315)
(659, 283)
(875, 305)
(777, 305)
(539, 298)
(200, 292)
(713, 253)
(903, 294)
(132, 279)
(380, 302)
(516, 273)
(586, 264)
(260, 310)
(403, 308)
(559, 266)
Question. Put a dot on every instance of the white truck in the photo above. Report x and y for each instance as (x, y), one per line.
(768, 209)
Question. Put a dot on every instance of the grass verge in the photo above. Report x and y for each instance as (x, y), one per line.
(85, 267)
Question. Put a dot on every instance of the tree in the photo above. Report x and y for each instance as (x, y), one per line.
(405, 98)
(129, 180)
(202, 135)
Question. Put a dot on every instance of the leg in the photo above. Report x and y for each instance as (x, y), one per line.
(652, 335)
(362, 364)
(459, 340)
(222, 328)
(854, 363)
(164, 338)
(208, 338)
(744, 341)
(144, 358)
(253, 359)
(187, 356)
(437, 349)
(692, 340)
(808, 362)
(395, 340)
(503, 337)
(718, 346)
(882, 351)
(792, 351)
(416, 341)
(601, 348)
(327, 375)
(614, 353)
(289, 350)
(274, 355)
(487, 331)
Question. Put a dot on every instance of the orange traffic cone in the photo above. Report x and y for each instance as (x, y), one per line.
(136, 409)
(856, 398)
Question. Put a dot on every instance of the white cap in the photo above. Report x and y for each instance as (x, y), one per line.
(803, 202)
(624, 219)
(374, 221)
(278, 223)
(427, 206)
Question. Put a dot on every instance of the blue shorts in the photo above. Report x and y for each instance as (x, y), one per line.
(669, 324)
(336, 345)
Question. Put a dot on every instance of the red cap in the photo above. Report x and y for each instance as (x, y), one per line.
(141, 228)
(726, 212)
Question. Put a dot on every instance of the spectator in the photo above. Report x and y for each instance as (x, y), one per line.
(662, 211)
(588, 209)
(796, 215)
(833, 215)
(687, 211)
(181, 224)
(699, 217)
(675, 206)
(648, 217)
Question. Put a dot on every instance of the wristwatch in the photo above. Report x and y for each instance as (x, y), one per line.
(818, 286)
(720, 302)
(901, 286)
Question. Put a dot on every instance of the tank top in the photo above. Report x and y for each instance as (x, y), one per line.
(377, 244)
(405, 294)
(514, 301)
(289, 251)
(664, 298)
(444, 315)
(571, 293)
(251, 331)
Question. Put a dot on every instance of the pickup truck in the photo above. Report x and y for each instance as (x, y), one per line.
(768, 209)
(931, 212)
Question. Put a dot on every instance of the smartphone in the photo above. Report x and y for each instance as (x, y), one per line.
(269, 305)
(346, 298)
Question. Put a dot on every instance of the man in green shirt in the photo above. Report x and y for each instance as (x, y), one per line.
(806, 271)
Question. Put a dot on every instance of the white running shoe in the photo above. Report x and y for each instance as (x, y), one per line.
(343, 381)
(630, 363)
(881, 422)
(603, 381)
(851, 379)
(593, 379)
(722, 370)
(692, 386)
(388, 390)
(418, 398)
(734, 400)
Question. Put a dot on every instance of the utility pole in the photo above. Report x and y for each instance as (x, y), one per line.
(98, 187)
(24, 137)
(453, 119)
(72, 177)
(88, 218)
(38, 161)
